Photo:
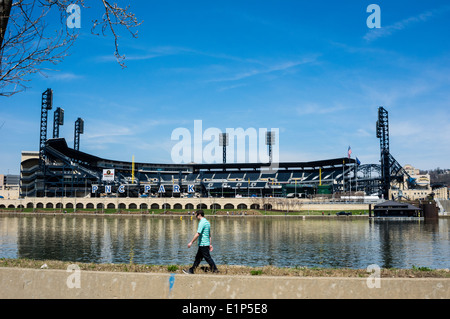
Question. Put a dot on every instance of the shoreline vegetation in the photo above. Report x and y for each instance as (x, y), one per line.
(188, 213)
(181, 212)
(229, 270)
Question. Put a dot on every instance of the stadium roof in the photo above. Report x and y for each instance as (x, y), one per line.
(59, 145)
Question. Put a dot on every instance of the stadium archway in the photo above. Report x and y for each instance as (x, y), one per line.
(90, 206)
(177, 206)
(254, 206)
(132, 206)
(111, 206)
(242, 206)
(59, 205)
(267, 206)
(69, 205)
(215, 206)
(189, 206)
(165, 206)
(100, 206)
(122, 206)
(49, 205)
(30, 205)
(228, 206)
(154, 206)
(80, 206)
(143, 206)
(202, 206)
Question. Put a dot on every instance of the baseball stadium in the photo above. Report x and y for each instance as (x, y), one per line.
(58, 176)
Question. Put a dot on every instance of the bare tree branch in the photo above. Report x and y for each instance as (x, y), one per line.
(116, 16)
(28, 43)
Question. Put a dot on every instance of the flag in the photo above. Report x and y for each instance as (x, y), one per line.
(349, 151)
(358, 162)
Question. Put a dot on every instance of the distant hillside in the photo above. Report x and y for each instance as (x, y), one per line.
(438, 175)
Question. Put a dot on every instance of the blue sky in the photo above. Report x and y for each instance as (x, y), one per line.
(312, 69)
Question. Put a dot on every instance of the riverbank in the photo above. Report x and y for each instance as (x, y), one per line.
(190, 214)
(229, 270)
(162, 212)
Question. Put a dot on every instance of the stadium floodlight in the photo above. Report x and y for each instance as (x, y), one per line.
(60, 116)
(47, 99)
(385, 156)
(378, 130)
(223, 139)
(224, 142)
(81, 121)
(58, 119)
(270, 140)
(79, 129)
(46, 105)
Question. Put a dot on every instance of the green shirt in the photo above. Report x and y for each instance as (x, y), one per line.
(204, 228)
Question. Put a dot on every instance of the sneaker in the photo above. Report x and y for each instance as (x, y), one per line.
(188, 272)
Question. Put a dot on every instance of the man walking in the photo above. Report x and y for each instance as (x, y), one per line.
(203, 236)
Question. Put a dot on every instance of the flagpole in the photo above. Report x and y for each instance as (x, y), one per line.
(350, 179)
(358, 162)
(349, 152)
(350, 182)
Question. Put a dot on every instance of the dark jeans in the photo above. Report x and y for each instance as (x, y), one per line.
(203, 252)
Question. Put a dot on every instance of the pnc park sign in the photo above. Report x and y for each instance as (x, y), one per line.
(109, 176)
(108, 189)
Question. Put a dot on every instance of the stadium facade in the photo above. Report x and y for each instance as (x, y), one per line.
(57, 170)
(66, 172)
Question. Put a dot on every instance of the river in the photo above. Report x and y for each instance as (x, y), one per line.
(279, 241)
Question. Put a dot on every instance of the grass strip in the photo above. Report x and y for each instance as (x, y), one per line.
(414, 272)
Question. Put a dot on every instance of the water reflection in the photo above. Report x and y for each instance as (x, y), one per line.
(237, 241)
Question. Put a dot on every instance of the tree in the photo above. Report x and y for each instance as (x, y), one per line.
(28, 43)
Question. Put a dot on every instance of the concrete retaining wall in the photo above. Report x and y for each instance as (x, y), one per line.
(46, 283)
(283, 204)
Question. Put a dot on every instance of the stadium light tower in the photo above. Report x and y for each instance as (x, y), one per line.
(224, 141)
(47, 103)
(79, 129)
(58, 119)
(382, 129)
(391, 170)
(270, 141)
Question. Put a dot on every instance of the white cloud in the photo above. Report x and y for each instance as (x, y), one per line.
(146, 54)
(283, 66)
(315, 108)
(62, 76)
(363, 133)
